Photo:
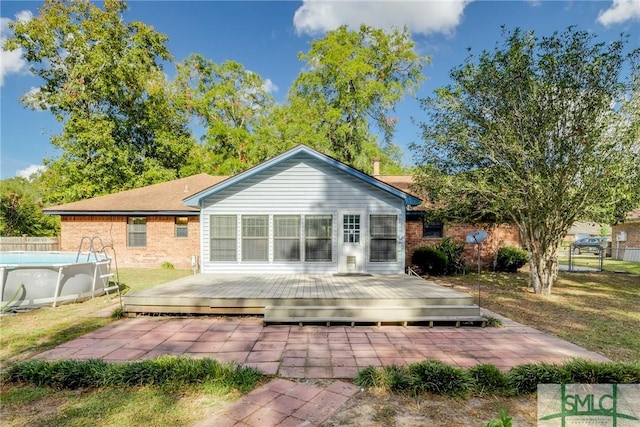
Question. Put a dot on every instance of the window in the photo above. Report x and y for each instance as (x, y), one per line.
(351, 228)
(223, 233)
(286, 238)
(384, 238)
(432, 230)
(136, 231)
(182, 226)
(255, 238)
(318, 234)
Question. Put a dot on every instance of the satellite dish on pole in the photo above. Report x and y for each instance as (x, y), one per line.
(476, 237)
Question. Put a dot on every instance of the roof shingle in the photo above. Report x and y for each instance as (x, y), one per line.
(163, 197)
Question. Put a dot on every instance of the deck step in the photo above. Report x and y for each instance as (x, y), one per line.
(457, 320)
(461, 300)
(380, 313)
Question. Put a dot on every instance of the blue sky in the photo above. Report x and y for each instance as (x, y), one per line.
(266, 37)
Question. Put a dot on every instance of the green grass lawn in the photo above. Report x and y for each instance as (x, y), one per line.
(598, 311)
(26, 334)
(613, 265)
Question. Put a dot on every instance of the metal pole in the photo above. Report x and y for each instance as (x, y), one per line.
(478, 274)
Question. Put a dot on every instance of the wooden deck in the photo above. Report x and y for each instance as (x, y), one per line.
(309, 298)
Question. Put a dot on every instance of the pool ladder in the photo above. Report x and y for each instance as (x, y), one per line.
(101, 258)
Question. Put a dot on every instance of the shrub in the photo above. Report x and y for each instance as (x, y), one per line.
(453, 253)
(165, 370)
(430, 261)
(524, 379)
(368, 377)
(396, 378)
(509, 259)
(167, 266)
(434, 376)
(488, 379)
(580, 371)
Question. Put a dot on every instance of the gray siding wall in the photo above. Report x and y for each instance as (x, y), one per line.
(301, 186)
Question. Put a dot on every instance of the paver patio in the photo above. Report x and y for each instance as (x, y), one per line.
(316, 351)
(310, 352)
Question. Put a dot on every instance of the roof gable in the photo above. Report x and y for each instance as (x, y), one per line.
(197, 199)
(166, 197)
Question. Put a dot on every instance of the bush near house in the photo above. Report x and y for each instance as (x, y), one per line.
(509, 259)
(430, 261)
(442, 259)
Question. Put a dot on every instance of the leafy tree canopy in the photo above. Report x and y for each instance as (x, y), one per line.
(102, 78)
(21, 210)
(232, 104)
(539, 132)
(352, 80)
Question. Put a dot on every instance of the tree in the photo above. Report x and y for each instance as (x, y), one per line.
(21, 210)
(353, 80)
(231, 103)
(539, 132)
(102, 77)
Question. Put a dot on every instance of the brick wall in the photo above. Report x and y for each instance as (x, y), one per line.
(504, 235)
(633, 237)
(162, 245)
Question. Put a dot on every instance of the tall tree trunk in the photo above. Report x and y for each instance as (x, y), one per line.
(544, 271)
(543, 257)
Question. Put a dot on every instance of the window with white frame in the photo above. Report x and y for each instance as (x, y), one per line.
(318, 235)
(255, 238)
(223, 237)
(286, 238)
(384, 238)
(351, 228)
(182, 226)
(136, 231)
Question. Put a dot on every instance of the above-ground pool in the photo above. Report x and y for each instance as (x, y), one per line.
(36, 279)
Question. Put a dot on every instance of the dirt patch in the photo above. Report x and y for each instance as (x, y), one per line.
(374, 408)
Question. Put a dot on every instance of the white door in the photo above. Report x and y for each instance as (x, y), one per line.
(351, 242)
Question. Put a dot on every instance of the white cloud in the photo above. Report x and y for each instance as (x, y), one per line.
(11, 61)
(24, 16)
(269, 86)
(30, 170)
(426, 16)
(620, 11)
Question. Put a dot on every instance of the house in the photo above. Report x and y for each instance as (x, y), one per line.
(625, 243)
(581, 229)
(146, 226)
(303, 212)
(300, 211)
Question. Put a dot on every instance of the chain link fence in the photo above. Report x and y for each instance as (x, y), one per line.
(600, 258)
